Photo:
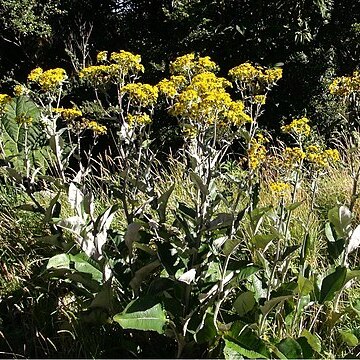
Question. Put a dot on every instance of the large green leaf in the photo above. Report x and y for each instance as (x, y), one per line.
(290, 348)
(332, 283)
(235, 351)
(13, 133)
(140, 317)
(244, 303)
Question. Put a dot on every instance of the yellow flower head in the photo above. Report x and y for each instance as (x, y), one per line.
(97, 74)
(345, 85)
(142, 94)
(279, 188)
(298, 127)
(259, 99)
(188, 65)
(293, 156)
(236, 114)
(95, 127)
(101, 56)
(127, 62)
(24, 119)
(171, 88)
(321, 158)
(20, 90)
(257, 152)
(139, 119)
(68, 114)
(48, 80)
(35, 74)
(255, 75)
(4, 100)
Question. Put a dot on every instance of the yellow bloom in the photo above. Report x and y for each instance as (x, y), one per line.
(48, 80)
(4, 100)
(259, 99)
(95, 127)
(35, 74)
(320, 158)
(256, 152)
(236, 114)
(293, 156)
(140, 119)
(298, 126)
(20, 90)
(127, 62)
(345, 85)
(255, 75)
(102, 56)
(188, 65)
(171, 88)
(97, 74)
(68, 114)
(142, 94)
(279, 188)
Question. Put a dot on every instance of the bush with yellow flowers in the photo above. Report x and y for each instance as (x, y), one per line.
(220, 250)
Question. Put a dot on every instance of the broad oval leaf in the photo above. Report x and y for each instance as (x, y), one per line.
(151, 319)
(290, 348)
(235, 351)
(244, 303)
(332, 283)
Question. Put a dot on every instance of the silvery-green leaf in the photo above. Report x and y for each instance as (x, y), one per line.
(74, 224)
(354, 242)
(76, 198)
(132, 235)
(188, 277)
(142, 273)
(60, 261)
(101, 226)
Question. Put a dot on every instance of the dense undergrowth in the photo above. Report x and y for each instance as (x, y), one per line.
(240, 245)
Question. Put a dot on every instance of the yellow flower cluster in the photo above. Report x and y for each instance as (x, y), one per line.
(259, 99)
(298, 127)
(140, 119)
(4, 100)
(121, 63)
(35, 74)
(236, 113)
(143, 94)
(102, 56)
(127, 61)
(279, 188)
(24, 119)
(48, 80)
(321, 158)
(170, 88)
(256, 75)
(293, 157)
(20, 90)
(189, 65)
(345, 85)
(256, 152)
(98, 74)
(205, 100)
(68, 114)
(95, 127)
